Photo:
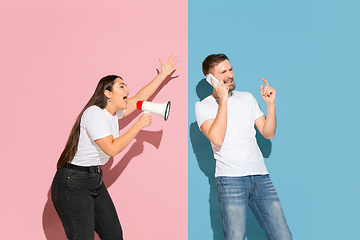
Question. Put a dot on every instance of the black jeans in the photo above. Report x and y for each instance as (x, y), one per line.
(84, 205)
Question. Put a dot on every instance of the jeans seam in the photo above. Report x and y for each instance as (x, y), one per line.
(262, 219)
(69, 205)
(260, 215)
(221, 207)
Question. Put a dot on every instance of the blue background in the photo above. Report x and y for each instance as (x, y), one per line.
(309, 52)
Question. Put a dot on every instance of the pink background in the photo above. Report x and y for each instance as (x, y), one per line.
(53, 53)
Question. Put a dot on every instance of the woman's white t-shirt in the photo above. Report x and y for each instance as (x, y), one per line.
(95, 123)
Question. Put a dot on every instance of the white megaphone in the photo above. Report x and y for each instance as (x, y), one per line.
(161, 109)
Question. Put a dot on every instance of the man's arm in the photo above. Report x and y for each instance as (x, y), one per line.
(150, 88)
(267, 125)
(215, 129)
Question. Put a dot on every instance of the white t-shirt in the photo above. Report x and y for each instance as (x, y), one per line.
(95, 123)
(239, 155)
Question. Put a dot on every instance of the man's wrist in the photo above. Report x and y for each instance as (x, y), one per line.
(270, 104)
(223, 98)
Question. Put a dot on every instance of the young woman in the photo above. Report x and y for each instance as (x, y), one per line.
(78, 192)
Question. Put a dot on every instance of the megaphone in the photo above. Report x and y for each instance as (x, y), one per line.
(161, 109)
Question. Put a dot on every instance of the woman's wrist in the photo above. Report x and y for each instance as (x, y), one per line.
(163, 74)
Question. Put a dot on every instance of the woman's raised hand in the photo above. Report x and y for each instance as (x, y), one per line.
(170, 66)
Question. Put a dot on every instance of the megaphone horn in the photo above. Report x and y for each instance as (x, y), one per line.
(161, 109)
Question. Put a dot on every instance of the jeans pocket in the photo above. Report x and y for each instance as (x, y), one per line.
(78, 174)
(82, 181)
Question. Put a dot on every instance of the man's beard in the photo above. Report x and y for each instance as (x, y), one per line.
(231, 88)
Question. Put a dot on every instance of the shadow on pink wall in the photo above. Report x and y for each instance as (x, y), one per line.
(52, 225)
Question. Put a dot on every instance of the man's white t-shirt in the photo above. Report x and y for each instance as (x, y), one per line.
(95, 123)
(239, 155)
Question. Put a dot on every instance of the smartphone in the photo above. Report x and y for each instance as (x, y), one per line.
(209, 80)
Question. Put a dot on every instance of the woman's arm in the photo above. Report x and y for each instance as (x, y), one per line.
(112, 146)
(150, 88)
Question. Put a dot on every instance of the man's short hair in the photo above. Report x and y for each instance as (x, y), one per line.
(211, 61)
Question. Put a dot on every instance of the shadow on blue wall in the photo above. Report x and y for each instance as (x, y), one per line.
(204, 155)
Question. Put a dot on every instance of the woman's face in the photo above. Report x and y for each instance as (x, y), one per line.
(119, 94)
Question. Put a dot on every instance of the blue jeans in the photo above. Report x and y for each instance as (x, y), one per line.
(84, 205)
(237, 193)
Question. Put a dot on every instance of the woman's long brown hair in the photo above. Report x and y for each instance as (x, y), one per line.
(99, 99)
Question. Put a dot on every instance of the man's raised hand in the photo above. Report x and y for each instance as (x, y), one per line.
(268, 93)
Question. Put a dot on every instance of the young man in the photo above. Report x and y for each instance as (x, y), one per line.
(227, 119)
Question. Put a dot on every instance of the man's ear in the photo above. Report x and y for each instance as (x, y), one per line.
(107, 93)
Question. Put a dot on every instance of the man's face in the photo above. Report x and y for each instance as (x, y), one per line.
(224, 72)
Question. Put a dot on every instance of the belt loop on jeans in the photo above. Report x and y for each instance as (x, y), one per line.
(91, 169)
